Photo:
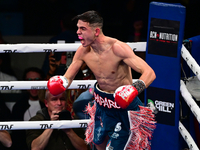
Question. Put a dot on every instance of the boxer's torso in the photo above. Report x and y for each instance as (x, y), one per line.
(109, 69)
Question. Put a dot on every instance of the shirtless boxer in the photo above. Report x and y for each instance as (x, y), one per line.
(111, 61)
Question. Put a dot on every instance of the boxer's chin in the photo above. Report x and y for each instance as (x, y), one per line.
(84, 44)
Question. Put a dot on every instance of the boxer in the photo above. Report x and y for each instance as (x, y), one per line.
(113, 125)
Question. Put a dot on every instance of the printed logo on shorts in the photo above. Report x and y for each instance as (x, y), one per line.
(118, 127)
(105, 102)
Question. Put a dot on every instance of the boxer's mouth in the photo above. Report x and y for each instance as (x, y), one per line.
(81, 39)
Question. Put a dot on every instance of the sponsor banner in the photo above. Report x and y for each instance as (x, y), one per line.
(164, 104)
(163, 37)
(22, 125)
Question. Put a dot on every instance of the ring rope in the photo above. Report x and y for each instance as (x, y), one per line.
(188, 98)
(190, 61)
(190, 101)
(27, 85)
(60, 47)
(186, 135)
(62, 124)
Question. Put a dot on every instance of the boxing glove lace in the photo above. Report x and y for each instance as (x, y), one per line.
(57, 85)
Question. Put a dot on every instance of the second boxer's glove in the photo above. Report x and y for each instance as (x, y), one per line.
(124, 95)
(57, 85)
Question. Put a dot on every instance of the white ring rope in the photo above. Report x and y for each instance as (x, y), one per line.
(27, 85)
(190, 61)
(63, 124)
(190, 101)
(188, 98)
(186, 135)
(60, 47)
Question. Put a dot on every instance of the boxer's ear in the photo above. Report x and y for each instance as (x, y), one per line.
(97, 30)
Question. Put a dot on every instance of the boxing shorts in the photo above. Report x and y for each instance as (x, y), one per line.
(108, 119)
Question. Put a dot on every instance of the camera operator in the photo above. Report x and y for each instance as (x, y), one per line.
(54, 139)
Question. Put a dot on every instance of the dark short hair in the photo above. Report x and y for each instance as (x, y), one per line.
(33, 69)
(92, 17)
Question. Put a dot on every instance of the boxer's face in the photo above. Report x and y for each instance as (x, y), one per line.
(86, 33)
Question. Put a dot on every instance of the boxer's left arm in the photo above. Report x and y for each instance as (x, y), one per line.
(125, 52)
(124, 95)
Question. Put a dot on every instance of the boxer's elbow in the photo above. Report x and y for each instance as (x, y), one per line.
(153, 75)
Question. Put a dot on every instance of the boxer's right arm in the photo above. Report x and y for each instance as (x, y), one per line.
(73, 70)
(59, 86)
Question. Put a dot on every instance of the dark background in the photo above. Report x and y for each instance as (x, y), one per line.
(36, 21)
(42, 17)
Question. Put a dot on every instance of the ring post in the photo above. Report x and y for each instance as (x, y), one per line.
(165, 35)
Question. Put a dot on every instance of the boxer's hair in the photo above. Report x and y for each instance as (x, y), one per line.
(92, 17)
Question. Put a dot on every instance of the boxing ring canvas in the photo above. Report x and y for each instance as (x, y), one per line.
(163, 53)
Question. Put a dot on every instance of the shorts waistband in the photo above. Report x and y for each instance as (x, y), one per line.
(104, 100)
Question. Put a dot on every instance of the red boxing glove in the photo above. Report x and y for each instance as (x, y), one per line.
(57, 85)
(124, 95)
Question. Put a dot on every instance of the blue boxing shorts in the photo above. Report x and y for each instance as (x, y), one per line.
(108, 119)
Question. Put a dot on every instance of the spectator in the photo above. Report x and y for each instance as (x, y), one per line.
(57, 63)
(52, 64)
(137, 33)
(54, 139)
(81, 102)
(85, 96)
(5, 113)
(6, 72)
(5, 138)
(27, 107)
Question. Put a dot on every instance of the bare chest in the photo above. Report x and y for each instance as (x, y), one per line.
(103, 65)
